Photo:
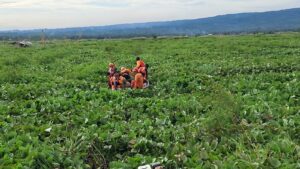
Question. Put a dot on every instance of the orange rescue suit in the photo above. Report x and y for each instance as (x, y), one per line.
(138, 82)
(125, 71)
(117, 83)
(141, 68)
(140, 63)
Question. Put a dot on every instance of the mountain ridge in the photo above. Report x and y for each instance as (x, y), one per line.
(282, 20)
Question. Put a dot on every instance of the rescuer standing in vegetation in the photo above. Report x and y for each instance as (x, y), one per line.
(141, 74)
(140, 65)
(111, 71)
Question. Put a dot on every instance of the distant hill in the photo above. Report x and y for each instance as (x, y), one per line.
(284, 20)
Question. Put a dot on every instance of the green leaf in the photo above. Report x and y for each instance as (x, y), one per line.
(274, 162)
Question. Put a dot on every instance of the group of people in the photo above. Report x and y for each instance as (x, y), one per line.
(137, 78)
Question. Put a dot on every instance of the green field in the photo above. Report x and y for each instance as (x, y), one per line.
(214, 102)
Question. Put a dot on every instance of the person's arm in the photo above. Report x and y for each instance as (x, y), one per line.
(138, 64)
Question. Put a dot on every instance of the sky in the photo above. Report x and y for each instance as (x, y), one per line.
(32, 14)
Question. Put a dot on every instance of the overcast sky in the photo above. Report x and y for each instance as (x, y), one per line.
(28, 14)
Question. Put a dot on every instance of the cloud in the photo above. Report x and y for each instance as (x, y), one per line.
(74, 4)
(93, 3)
(69, 13)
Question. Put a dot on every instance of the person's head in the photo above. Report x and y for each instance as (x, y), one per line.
(138, 58)
(123, 69)
(111, 65)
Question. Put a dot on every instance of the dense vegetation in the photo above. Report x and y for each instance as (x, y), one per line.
(214, 102)
(284, 20)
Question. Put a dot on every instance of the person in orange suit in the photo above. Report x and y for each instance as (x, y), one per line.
(110, 73)
(117, 82)
(111, 69)
(138, 82)
(139, 64)
(126, 73)
(141, 67)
